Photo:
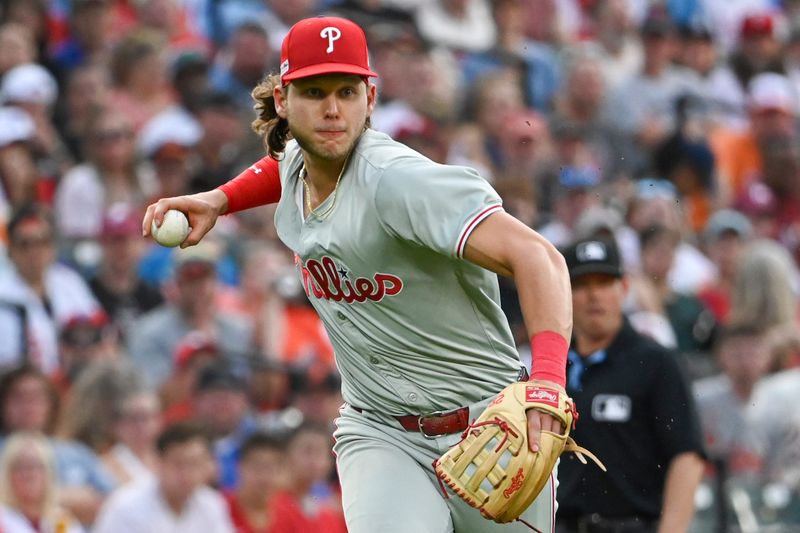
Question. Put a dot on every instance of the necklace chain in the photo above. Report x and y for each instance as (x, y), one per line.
(311, 210)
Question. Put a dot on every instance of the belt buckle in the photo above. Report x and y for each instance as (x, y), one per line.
(421, 421)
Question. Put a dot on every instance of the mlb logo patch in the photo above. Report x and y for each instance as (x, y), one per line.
(284, 67)
(612, 408)
(591, 251)
(540, 395)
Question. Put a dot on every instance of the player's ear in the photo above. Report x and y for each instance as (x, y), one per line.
(372, 97)
(279, 95)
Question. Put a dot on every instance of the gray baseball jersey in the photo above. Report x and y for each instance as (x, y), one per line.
(415, 327)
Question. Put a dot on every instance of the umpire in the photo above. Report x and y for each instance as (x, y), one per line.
(635, 410)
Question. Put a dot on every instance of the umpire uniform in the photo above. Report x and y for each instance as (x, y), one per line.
(636, 415)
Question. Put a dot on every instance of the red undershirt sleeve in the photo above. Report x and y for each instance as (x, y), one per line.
(259, 184)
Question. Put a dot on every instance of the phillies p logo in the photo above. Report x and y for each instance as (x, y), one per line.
(332, 33)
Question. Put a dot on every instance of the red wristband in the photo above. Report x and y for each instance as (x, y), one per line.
(549, 357)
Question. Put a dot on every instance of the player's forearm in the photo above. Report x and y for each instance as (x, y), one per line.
(683, 476)
(258, 185)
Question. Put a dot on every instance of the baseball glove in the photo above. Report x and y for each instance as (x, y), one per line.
(492, 468)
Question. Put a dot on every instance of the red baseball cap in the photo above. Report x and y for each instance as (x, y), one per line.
(324, 45)
(757, 24)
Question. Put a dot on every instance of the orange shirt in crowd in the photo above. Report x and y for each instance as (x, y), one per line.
(738, 159)
(303, 340)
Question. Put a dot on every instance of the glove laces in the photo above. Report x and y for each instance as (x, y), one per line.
(505, 427)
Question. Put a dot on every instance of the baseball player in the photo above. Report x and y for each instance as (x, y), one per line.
(399, 257)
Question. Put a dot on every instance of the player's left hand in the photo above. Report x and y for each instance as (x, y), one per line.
(539, 421)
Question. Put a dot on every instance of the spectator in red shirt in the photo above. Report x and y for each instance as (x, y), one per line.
(261, 474)
(311, 502)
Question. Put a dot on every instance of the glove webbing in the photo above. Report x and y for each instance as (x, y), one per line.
(569, 446)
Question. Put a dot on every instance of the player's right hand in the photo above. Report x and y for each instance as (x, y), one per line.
(201, 209)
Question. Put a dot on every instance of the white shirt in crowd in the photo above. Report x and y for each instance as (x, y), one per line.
(12, 521)
(140, 508)
(68, 296)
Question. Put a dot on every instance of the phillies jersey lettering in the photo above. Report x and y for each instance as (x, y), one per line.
(325, 280)
(415, 328)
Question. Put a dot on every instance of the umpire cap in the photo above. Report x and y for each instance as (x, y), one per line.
(593, 256)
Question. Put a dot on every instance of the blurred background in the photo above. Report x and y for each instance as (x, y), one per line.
(670, 125)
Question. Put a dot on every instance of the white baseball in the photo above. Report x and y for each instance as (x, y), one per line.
(173, 229)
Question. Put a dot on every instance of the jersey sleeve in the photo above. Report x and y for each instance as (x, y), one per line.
(432, 205)
(259, 184)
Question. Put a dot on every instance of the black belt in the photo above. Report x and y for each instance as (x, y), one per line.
(440, 423)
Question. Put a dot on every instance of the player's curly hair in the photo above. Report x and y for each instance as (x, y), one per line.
(273, 129)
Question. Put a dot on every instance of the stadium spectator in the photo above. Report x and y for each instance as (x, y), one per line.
(262, 471)
(772, 110)
(221, 145)
(784, 344)
(139, 74)
(193, 353)
(616, 39)
(316, 397)
(168, 141)
(16, 46)
(759, 49)
(268, 387)
(110, 175)
(464, 25)
(760, 205)
(28, 402)
(577, 114)
(689, 165)
(90, 35)
(19, 176)
(574, 193)
(45, 294)
(643, 107)
(220, 404)
(28, 488)
(117, 284)
(286, 327)
(775, 417)
(655, 202)
(170, 18)
(132, 457)
(155, 335)
(241, 64)
(310, 502)
(725, 401)
(84, 341)
(725, 236)
(679, 321)
(764, 294)
(89, 411)
(189, 77)
(86, 91)
(33, 88)
(538, 60)
(178, 499)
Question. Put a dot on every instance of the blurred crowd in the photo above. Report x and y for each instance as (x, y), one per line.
(671, 126)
